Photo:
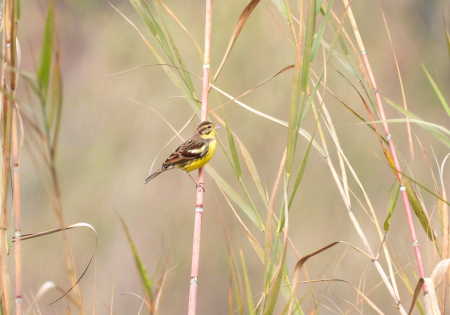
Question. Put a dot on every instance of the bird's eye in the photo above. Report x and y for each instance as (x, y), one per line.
(209, 127)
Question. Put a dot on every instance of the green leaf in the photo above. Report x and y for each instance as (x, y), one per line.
(233, 195)
(434, 129)
(274, 292)
(45, 63)
(447, 37)
(236, 164)
(310, 29)
(159, 33)
(248, 291)
(141, 268)
(391, 206)
(415, 204)
(184, 74)
(254, 172)
(321, 30)
(438, 92)
(300, 174)
(140, 10)
(283, 9)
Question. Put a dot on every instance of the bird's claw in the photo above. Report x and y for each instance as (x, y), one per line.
(200, 186)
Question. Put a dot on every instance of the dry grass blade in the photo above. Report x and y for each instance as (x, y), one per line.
(65, 228)
(253, 171)
(176, 80)
(430, 298)
(301, 262)
(258, 249)
(45, 287)
(237, 30)
(439, 272)
(375, 308)
(405, 105)
(184, 28)
(258, 85)
(431, 303)
(369, 113)
(302, 132)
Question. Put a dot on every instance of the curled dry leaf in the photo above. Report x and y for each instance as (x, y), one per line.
(68, 227)
(431, 302)
(301, 262)
(440, 271)
(237, 30)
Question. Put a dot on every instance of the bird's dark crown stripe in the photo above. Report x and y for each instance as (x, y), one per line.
(204, 123)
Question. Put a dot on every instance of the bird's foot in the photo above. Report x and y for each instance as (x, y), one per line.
(199, 186)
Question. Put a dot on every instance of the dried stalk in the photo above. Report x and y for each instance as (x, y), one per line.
(199, 206)
(390, 141)
(16, 196)
(8, 59)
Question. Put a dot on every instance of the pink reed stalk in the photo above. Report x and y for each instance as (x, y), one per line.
(391, 144)
(17, 249)
(199, 207)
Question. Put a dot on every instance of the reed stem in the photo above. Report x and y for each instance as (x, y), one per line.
(200, 192)
(390, 141)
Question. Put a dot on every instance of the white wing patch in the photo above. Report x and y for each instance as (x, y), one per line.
(199, 150)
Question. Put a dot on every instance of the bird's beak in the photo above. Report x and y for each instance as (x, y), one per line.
(216, 127)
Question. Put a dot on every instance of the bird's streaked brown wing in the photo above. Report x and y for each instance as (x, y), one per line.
(189, 150)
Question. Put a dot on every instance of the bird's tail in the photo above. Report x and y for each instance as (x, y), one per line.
(154, 175)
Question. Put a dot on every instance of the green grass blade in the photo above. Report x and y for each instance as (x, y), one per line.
(254, 172)
(435, 130)
(283, 9)
(309, 39)
(45, 62)
(299, 177)
(159, 33)
(141, 268)
(175, 79)
(185, 75)
(236, 164)
(415, 204)
(56, 102)
(247, 194)
(438, 92)
(447, 37)
(392, 201)
(248, 291)
(233, 195)
(140, 10)
(321, 29)
(274, 292)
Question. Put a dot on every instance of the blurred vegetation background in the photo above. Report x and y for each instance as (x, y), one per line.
(109, 140)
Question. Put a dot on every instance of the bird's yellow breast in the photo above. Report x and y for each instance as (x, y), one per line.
(197, 163)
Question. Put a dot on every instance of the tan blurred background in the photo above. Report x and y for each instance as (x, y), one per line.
(109, 142)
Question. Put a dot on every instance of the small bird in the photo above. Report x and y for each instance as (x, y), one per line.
(193, 154)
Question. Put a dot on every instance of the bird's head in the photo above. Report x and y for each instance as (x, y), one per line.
(206, 130)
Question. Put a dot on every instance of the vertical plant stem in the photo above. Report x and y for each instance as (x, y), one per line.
(16, 190)
(199, 206)
(8, 53)
(390, 141)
